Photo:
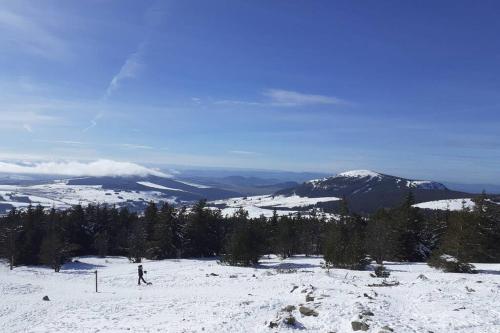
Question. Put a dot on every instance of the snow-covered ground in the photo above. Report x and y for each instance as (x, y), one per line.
(203, 296)
(61, 195)
(266, 204)
(449, 204)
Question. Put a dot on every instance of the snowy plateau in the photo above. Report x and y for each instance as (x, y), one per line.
(200, 295)
(266, 205)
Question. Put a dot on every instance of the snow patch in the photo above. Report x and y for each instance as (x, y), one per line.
(359, 174)
(265, 204)
(448, 204)
(425, 185)
(160, 187)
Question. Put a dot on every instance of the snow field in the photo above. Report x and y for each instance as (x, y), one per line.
(265, 204)
(450, 204)
(203, 296)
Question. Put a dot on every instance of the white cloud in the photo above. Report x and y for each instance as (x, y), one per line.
(76, 169)
(292, 98)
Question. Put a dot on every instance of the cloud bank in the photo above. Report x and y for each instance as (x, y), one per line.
(99, 168)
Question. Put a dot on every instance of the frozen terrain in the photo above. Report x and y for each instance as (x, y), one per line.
(61, 195)
(266, 204)
(203, 296)
(450, 204)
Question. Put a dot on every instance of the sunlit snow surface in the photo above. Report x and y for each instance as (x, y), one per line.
(61, 195)
(359, 174)
(449, 204)
(186, 297)
(266, 204)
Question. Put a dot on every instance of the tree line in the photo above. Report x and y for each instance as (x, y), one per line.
(447, 239)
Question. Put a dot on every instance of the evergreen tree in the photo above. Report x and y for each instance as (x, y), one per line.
(54, 250)
(10, 229)
(244, 247)
(137, 241)
(344, 243)
(410, 226)
(379, 243)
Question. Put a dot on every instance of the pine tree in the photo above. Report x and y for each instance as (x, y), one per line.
(137, 241)
(379, 243)
(410, 227)
(54, 250)
(10, 229)
(344, 243)
(245, 244)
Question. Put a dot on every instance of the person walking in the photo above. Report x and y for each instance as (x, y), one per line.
(141, 276)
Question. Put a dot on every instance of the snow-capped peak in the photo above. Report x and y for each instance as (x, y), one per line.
(359, 174)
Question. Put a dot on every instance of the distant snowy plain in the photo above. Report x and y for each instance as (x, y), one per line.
(203, 296)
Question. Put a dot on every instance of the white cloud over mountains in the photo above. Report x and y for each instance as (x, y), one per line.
(97, 168)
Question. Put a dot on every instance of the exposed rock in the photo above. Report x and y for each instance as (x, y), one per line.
(309, 298)
(233, 276)
(470, 290)
(308, 311)
(422, 277)
(273, 324)
(386, 329)
(385, 284)
(289, 308)
(46, 298)
(367, 296)
(359, 326)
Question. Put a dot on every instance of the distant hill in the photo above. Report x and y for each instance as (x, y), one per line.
(367, 190)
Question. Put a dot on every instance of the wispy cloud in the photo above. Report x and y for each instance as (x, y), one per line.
(64, 142)
(134, 62)
(286, 98)
(128, 70)
(24, 120)
(282, 97)
(114, 145)
(97, 168)
(93, 122)
(27, 32)
(243, 152)
(134, 146)
(28, 128)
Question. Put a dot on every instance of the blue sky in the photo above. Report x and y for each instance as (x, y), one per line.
(401, 87)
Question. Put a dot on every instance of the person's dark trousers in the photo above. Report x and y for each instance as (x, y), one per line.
(139, 281)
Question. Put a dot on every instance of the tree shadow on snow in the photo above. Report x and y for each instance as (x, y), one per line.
(80, 266)
(488, 271)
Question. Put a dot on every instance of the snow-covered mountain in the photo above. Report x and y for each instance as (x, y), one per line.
(367, 190)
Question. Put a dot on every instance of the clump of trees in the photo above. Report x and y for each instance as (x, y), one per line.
(36, 236)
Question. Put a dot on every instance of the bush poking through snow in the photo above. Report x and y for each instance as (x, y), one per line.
(450, 264)
(382, 272)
